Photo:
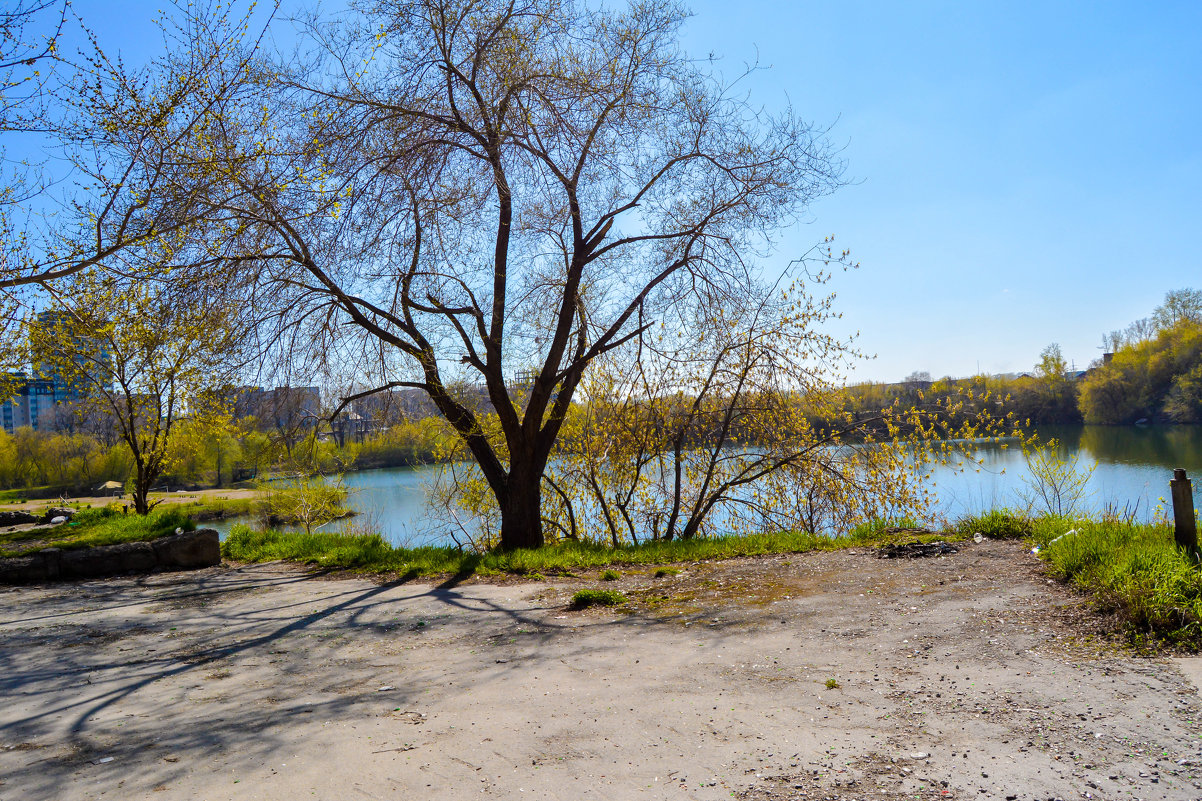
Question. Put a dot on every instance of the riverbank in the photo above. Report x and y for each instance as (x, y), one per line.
(832, 675)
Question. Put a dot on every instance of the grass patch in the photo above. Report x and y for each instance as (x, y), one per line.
(664, 572)
(371, 553)
(610, 575)
(999, 524)
(586, 598)
(218, 508)
(1133, 569)
(91, 527)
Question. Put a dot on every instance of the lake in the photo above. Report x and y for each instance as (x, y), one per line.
(1132, 468)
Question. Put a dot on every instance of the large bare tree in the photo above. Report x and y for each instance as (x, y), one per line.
(447, 194)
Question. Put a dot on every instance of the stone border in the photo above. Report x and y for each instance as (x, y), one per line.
(189, 550)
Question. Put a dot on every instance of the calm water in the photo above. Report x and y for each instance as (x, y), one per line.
(1132, 470)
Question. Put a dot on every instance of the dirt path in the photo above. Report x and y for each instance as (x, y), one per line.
(181, 496)
(962, 677)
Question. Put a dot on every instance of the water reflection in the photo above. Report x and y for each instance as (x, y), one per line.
(1132, 468)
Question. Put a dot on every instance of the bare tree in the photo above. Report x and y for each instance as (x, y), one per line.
(450, 193)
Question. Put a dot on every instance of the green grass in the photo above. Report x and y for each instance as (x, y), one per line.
(371, 553)
(1132, 569)
(585, 598)
(214, 508)
(610, 575)
(90, 527)
(999, 524)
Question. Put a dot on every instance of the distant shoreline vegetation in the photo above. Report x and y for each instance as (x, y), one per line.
(1152, 373)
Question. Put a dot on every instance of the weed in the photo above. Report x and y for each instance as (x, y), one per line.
(610, 575)
(1133, 569)
(832, 684)
(664, 572)
(999, 524)
(585, 598)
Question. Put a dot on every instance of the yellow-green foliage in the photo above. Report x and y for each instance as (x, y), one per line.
(1160, 377)
(409, 442)
(304, 499)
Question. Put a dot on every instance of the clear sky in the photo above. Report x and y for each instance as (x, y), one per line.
(1026, 173)
(1022, 173)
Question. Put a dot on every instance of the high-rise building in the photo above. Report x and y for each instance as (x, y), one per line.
(31, 403)
(33, 400)
(91, 358)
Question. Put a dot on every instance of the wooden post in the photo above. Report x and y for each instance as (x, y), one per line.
(1185, 528)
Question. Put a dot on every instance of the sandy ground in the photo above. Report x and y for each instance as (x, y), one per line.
(183, 496)
(969, 676)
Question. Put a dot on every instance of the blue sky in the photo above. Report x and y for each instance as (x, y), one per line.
(1022, 173)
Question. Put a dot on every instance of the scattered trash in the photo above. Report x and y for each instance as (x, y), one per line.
(978, 537)
(385, 687)
(103, 761)
(55, 521)
(915, 550)
(919, 755)
(1068, 533)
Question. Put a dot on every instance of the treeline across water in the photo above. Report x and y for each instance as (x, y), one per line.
(1152, 372)
(39, 464)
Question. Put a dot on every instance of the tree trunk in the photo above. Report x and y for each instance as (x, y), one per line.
(521, 509)
(141, 492)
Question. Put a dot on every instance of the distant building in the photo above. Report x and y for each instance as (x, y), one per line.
(282, 408)
(43, 399)
(92, 360)
(32, 402)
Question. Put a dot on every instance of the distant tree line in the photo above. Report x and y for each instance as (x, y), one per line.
(1152, 370)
